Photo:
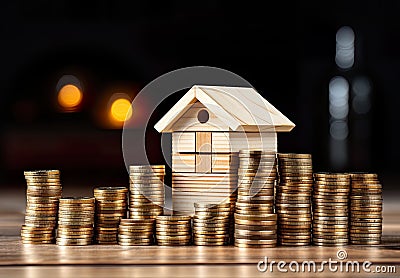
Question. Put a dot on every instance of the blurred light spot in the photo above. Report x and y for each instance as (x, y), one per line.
(362, 95)
(361, 105)
(339, 113)
(345, 47)
(120, 109)
(361, 86)
(339, 130)
(69, 97)
(338, 97)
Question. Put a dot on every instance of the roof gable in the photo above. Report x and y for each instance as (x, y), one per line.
(240, 108)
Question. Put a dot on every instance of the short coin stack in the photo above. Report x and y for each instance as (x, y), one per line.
(136, 232)
(255, 223)
(173, 230)
(146, 199)
(211, 223)
(365, 209)
(293, 199)
(331, 209)
(75, 221)
(43, 192)
(111, 205)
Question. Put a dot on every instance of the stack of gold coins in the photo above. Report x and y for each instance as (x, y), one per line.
(365, 209)
(255, 230)
(173, 230)
(146, 199)
(293, 199)
(136, 232)
(75, 221)
(42, 195)
(211, 223)
(255, 224)
(331, 209)
(111, 205)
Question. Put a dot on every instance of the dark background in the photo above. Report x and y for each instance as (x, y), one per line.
(286, 51)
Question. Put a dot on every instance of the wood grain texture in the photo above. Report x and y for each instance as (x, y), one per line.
(183, 163)
(164, 271)
(203, 142)
(190, 122)
(183, 142)
(203, 163)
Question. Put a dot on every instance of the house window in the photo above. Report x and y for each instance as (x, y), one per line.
(203, 116)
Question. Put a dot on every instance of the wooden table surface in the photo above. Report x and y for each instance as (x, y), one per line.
(18, 260)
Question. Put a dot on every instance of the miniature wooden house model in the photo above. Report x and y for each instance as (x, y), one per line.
(209, 125)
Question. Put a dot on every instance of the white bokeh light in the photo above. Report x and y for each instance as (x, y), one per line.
(361, 95)
(338, 98)
(345, 47)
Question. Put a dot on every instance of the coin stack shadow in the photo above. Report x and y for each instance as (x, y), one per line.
(331, 209)
(146, 198)
(42, 196)
(136, 232)
(111, 205)
(365, 209)
(293, 199)
(75, 221)
(173, 230)
(255, 221)
(211, 224)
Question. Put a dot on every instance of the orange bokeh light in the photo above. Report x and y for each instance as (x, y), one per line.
(120, 110)
(69, 97)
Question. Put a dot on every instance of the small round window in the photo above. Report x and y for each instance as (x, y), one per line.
(203, 116)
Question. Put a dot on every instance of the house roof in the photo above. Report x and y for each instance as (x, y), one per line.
(240, 108)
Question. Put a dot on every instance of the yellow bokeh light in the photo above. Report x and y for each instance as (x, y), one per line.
(121, 110)
(69, 97)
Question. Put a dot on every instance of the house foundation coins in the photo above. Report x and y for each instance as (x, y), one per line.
(111, 205)
(331, 209)
(173, 230)
(365, 209)
(146, 199)
(293, 199)
(42, 196)
(134, 232)
(211, 223)
(255, 223)
(75, 221)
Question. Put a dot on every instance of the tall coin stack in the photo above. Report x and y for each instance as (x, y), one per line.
(75, 221)
(146, 199)
(43, 192)
(365, 209)
(136, 232)
(255, 223)
(293, 199)
(111, 205)
(211, 223)
(331, 209)
(173, 230)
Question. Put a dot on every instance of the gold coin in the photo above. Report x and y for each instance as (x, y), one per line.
(255, 241)
(256, 217)
(246, 245)
(255, 222)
